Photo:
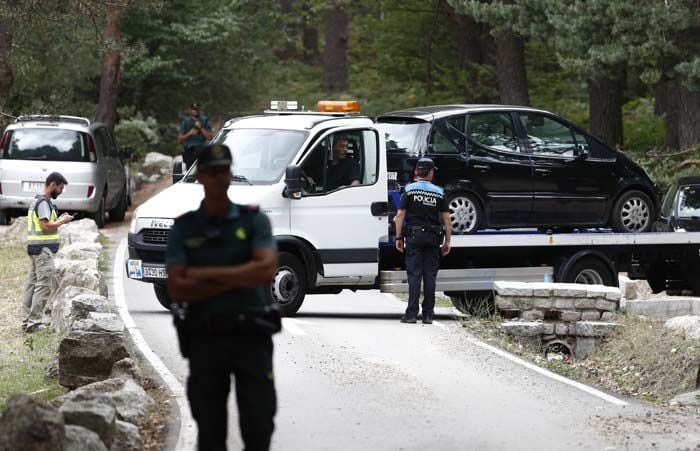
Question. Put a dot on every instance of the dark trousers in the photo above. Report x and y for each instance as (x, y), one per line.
(422, 264)
(189, 155)
(249, 359)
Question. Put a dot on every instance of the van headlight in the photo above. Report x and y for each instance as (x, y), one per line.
(132, 226)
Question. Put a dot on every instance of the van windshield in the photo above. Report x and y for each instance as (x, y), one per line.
(45, 144)
(260, 156)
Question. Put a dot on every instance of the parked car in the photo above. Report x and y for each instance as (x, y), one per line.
(86, 153)
(509, 166)
(680, 210)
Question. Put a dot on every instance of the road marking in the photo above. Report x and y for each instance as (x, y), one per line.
(188, 428)
(547, 373)
(440, 325)
(291, 326)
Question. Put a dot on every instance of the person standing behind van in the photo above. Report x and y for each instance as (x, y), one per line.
(195, 130)
(42, 244)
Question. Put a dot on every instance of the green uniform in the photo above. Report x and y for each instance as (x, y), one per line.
(222, 340)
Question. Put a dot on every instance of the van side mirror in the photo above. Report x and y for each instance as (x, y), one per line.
(292, 182)
(177, 171)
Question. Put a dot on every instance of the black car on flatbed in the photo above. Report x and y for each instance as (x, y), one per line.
(680, 211)
(510, 166)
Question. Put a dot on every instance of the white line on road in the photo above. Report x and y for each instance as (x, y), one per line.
(188, 429)
(440, 325)
(291, 326)
(547, 373)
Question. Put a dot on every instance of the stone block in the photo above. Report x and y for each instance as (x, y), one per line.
(570, 316)
(542, 289)
(564, 304)
(523, 328)
(609, 306)
(512, 288)
(584, 347)
(85, 357)
(548, 329)
(585, 303)
(590, 315)
(572, 329)
(542, 303)
(29, 424)
(607, 316)
(569, 290)
(126, 437)
(532, 315)
(561, 329)
(661, 308)
(603, 292)
(594, 328)
(94, 415)
(688, 325)
(505, 302)
(79, 438)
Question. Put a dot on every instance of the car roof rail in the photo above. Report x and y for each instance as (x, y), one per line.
(54, 118)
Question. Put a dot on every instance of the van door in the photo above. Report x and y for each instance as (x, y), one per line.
(344, 174)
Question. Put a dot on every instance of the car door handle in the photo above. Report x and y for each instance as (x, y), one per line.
(543, 171)
(482, 166)
(379, 208)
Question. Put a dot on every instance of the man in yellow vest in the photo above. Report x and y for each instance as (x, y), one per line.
(42, 244)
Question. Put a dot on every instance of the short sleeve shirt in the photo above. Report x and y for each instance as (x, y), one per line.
(188, 123)
(198, 240)
(43, 210)
(342, 173)
(424, 204)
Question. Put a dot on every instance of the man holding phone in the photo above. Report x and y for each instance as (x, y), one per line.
(42, 244)
(195, 130)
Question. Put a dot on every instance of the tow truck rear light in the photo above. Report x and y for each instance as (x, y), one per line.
(284, 105)
(91, 151)
(338, 106)
(91, 189)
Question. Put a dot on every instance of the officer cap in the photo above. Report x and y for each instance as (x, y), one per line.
(214, 155)
(195, 106)
(425, 164)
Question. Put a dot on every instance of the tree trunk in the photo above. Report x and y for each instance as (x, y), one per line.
(6, 73)
(605, 110)
(688, 114)
(109, 78)
(510, 67)
(335, 55)
(291, 32)
(666, 105)
(309, 37)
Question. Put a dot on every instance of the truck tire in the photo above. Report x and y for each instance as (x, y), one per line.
(477, 303)
(288, 288)
(99, 215)
(590, 271)
(465, 213)
(633, 212)
(162, 295)
(117, 214)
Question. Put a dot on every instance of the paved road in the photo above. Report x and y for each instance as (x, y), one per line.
(351, 377)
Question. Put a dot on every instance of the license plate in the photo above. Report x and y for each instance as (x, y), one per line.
(134, 269)
(33, 187)
(155, 273)
(391, 175)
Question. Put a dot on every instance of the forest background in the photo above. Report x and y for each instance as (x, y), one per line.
(627, 70)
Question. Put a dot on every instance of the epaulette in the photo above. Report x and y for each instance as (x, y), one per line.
(185, 215)
(250, 208)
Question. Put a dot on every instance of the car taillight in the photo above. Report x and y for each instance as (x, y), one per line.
(91, 152)
(91, 189)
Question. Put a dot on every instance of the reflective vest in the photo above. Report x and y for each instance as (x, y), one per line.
(37, 238)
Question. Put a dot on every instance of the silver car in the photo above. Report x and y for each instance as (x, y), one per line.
(85, 153)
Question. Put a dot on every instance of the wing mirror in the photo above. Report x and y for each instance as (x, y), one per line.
(177, 171)
(581, 153)
(292, 182)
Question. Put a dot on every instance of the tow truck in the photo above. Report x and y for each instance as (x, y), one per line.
(332, 237)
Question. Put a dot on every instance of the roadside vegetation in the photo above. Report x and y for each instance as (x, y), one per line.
(23, 358)
(641, 360)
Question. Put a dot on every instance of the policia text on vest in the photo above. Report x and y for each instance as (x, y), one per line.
(42, 243)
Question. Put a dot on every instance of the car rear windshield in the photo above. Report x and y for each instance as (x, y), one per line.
(45, 144)
(689, 202)
(403, 136)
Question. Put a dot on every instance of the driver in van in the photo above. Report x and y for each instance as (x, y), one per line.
(342, 171)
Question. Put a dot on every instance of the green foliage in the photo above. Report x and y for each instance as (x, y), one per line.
(139, 133)
(643, 129)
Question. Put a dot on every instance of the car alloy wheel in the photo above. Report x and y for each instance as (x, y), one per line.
(464, 214)
(634, 214)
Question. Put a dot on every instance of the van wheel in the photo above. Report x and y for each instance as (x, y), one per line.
(465, 213)
(590, 271)
(288, 288)
(118, 213)
(99, 215)
(162, 295)
(633, 212)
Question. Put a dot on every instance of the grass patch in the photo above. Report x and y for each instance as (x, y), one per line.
(641, 360)
(103, 259)
(440, 299)
(23, 358)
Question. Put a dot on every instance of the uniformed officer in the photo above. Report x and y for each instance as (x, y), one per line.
(423, 228)
(219, 258)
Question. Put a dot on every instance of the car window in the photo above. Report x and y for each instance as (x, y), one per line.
(689, 201)
(404, 136)
(547, 136)
(447, 136)
(493, 130)
(45, 144)
(102, 143)
(341, 160)
(112, 151)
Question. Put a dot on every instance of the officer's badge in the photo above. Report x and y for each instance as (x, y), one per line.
(241, 233)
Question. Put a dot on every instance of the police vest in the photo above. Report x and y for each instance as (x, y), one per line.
(37, 238)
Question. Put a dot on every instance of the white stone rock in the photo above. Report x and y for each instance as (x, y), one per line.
(543, 289)
(689, 325)
(594, 328)
(75, 273)
(154, 162)
(81, 230)
(154, 178)
(603, 292)
(569, 290)
(60, 306)
(687, 399)
(523, 328)
(17, 231)
(512, 288)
